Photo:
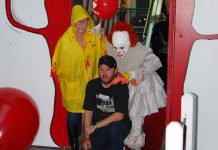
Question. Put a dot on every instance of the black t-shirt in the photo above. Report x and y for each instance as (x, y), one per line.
(105, 101)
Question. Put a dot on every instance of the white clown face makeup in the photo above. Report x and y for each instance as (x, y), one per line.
(121, 43)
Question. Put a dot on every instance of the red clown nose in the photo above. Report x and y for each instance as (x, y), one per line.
(104, 9)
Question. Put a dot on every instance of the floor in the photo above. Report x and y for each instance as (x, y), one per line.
(47, 148)
(52, 148)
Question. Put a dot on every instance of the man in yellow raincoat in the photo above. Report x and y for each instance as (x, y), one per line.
(74, 63)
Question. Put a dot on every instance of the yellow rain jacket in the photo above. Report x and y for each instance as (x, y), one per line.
(75, 65)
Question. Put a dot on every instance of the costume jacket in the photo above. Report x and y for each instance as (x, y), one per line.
(145, 97)
(75, 65)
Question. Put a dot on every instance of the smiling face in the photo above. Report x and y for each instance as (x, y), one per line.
(82, 25)
(106, 74)
(121, 43)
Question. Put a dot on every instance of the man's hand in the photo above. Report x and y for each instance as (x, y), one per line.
(89, 130)
(87, 144)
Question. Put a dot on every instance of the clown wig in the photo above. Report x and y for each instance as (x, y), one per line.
(123, 26)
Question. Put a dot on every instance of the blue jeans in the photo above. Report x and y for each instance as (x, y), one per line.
(74, 123)
(110, 137)
(74, 119)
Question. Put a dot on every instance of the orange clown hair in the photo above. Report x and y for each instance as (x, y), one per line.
(123, 26)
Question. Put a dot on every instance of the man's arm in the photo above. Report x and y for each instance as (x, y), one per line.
(90, 128)
(88, 106)
(88, 122)
(117, 116)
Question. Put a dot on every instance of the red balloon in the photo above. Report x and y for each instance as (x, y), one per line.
(19, 119)
(104, 9)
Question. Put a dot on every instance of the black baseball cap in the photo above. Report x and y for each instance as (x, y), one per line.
(107, 60)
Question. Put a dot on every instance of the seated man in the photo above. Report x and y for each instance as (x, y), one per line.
(106, 120)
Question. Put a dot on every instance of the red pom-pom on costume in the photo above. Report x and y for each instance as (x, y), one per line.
(104, 9)
(19, 119)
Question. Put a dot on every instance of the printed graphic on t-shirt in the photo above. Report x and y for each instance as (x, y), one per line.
(105, 103)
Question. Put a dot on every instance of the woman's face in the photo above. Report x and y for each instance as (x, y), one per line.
(82, 25)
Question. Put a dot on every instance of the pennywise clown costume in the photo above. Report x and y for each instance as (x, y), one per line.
(139, 64)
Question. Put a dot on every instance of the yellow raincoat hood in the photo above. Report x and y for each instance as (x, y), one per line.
(79, 13)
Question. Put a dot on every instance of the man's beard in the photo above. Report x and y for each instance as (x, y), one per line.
(106, 79)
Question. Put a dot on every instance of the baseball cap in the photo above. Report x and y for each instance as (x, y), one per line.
(107, 60)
